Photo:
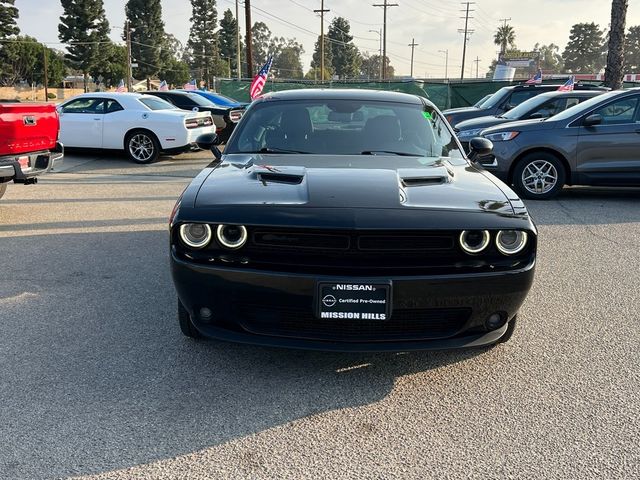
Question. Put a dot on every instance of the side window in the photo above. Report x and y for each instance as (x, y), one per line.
(85, 105)
(113, 106)
(619, 112)
(520, 96)
(573, 101)
(550, 108)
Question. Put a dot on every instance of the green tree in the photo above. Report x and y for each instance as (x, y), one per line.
(632, 49)
(261, 43)
(20, 58)
(346, 59)
(8, 17)
(614, 72)
(202, 47)
(328, 58)
(56, 67)
(110, 72)
(287, 63)
(505, 37)
(175, 72)
(550, 58)
(147, 37)
(85, 29)
(228, 39)
(371, 65)
(583, 53)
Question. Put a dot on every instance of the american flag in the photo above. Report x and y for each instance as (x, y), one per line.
(536, 79)
(192, 85)
(568, 87)
(121, 87)
(260, 79)
(163, 86)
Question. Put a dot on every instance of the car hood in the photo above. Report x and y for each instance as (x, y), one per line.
(521, 126)
(481, 122)
(273, 180)
(449, 111)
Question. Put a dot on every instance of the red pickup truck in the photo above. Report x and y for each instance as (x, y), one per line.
(28, 142)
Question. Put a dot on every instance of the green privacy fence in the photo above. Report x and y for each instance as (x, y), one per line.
(443, 94)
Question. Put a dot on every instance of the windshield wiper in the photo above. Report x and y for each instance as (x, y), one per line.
(278, 150)
(390, 152)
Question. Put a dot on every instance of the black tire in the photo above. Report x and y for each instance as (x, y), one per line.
(3, 188)
(186, 325)
(511, 326)
(142, 146)
(544, 167)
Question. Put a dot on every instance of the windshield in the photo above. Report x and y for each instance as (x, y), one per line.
(496, 98)
(200, 100)
(153, 103)
(479, 103)
(584, 106)
(344, 127)
(525, 107)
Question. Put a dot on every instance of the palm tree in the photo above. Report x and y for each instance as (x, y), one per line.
(505, 37)
(614, 72)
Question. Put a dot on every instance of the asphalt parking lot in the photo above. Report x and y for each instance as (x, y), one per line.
(96, 380)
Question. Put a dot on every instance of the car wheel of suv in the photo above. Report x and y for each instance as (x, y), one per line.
(186, 325)
(142, 146)
(539, 176)
(3, 188)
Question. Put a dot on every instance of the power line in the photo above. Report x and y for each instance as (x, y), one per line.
(385, 6)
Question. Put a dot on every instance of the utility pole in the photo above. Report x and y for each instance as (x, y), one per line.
(128, 35)
(238, 64)
(321, 12)
(379, 32)
(385, 6)
(477, 62)
(466, 32)
(247, 17)
(505, 20)
(46, 75)
(413, 45)
(446, 62)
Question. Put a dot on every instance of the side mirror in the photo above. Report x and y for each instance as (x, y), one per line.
(479, 147)
(592, 120)
(209, 141)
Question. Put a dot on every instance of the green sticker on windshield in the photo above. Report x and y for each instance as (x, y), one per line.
(427, 115)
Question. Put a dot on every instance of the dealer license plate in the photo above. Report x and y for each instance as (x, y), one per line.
(354, 301)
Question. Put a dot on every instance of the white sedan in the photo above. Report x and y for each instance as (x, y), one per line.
(141, 125)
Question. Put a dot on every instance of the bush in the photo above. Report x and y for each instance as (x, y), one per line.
(51, 96)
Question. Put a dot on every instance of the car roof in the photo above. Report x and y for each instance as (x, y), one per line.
(574, 93)
(343, 94)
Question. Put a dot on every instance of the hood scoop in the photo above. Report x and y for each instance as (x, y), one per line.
(267, 174)
(421, 178)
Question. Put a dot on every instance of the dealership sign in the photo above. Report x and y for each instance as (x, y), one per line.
(517, 59)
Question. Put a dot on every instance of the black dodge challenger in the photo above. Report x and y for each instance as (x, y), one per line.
(349, 220)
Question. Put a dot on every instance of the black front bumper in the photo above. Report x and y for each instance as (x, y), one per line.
(277, 309)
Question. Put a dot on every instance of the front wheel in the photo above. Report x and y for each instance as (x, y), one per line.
(3, 188)
(142, 147)
(539, 176)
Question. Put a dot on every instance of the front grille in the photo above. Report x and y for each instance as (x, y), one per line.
(404, 325)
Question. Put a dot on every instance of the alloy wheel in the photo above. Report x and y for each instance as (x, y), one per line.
(539, 177)
(141, 147)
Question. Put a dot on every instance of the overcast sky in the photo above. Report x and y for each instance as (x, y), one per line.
(433, 23)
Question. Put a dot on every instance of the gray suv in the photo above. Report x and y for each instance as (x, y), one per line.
(594, 143)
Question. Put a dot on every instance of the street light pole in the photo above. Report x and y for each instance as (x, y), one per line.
(379, 32)
(446, 62)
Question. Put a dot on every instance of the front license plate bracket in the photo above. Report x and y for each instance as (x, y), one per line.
(353, 301)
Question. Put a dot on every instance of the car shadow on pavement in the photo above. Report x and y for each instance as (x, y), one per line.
(96, 375)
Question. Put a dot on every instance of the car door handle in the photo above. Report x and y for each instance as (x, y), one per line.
(97, 118)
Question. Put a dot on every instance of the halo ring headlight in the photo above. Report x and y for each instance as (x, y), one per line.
(232, 236)
(474, 241)
(510, 242)
(195, 235)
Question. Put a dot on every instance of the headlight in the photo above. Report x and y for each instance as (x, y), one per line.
(469, 133)
(195, 235)
(474, 241)
(231, 236)
(502, 136)
(510, 242)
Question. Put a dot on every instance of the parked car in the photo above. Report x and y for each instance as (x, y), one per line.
(482, 100)
(218, 98)
(504, 100)
(29, 143)
(349, 220)
(141, 125)
(594, 143)
(194, 102)
(544, 105)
